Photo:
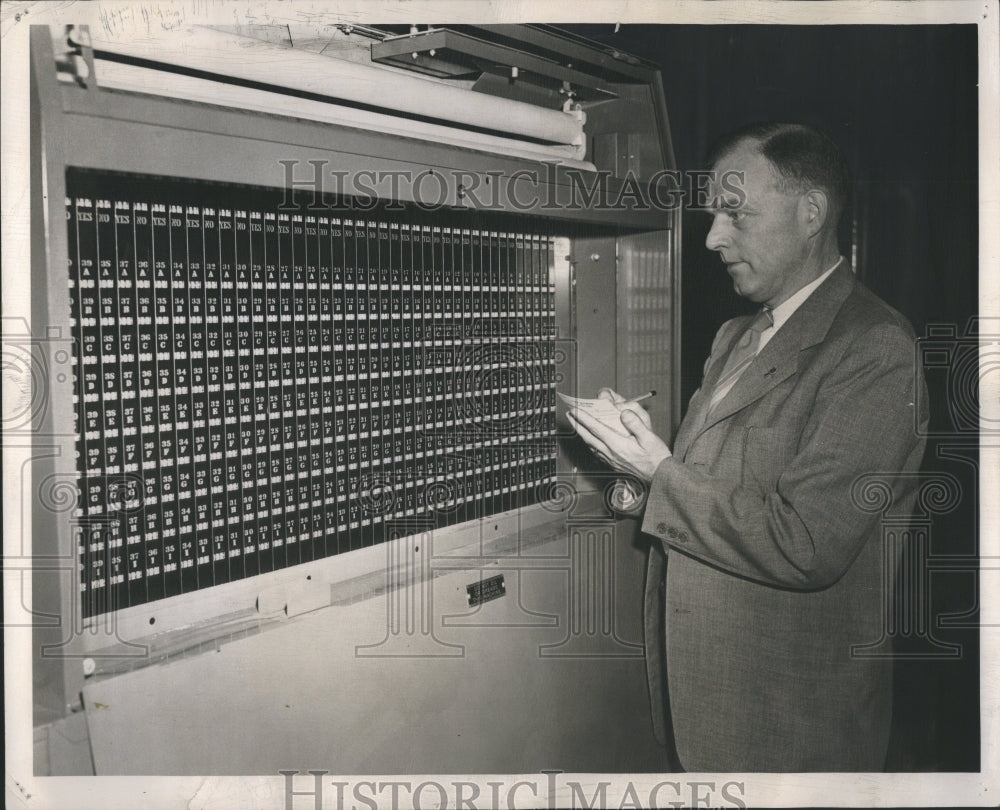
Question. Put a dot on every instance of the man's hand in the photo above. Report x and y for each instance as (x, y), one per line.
(638, 454)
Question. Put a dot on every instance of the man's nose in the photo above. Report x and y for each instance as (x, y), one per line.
(717, 238)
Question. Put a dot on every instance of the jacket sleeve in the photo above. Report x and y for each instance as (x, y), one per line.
(806, 532)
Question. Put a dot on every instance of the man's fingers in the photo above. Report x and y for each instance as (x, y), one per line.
(585, 433)
(638, 454)
(636, 425)
(611, 395)
(608, 445)
(640, 412)
(653, 447)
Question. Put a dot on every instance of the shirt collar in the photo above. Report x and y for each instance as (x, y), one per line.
(784, 310)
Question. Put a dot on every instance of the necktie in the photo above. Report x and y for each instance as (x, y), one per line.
(741, 356)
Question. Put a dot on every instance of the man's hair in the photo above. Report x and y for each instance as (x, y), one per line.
(802, 156)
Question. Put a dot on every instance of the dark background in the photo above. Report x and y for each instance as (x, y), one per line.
(901, 101)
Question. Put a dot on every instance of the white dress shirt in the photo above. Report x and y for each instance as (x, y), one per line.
(783, 311)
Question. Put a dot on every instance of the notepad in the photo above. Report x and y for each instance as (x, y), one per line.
(605, 411)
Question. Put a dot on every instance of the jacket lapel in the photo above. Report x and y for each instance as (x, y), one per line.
(694, 420)
(779, 359)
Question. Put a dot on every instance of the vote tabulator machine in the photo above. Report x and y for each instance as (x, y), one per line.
(307, 296)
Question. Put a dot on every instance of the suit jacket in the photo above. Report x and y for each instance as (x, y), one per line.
(775, 570)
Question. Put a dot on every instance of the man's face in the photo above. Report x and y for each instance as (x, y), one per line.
(762, 241)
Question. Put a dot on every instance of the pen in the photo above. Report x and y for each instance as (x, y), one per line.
(647, 395)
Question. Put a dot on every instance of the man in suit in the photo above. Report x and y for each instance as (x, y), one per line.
(765, 568)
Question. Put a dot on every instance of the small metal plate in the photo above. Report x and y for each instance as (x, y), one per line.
(486, 590)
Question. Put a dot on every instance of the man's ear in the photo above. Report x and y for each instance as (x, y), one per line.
(814, 208)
